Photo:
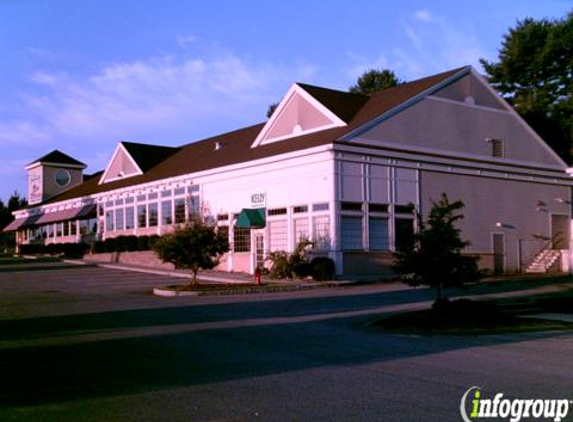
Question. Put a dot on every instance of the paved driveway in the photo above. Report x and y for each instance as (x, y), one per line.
(91, 344)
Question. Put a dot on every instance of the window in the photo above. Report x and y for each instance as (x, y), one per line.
(194, 189)
(152, 196)
(301, 229)
(62, 178)
(278, 235)
(179, 191)
(351, 206)
(109, 226)
(141, 198)
(166, 213)
(404, 232)
(59, 229)
(66, 231)
(242, 240)
(129, 200)
(277, 211)
(73, 228)
(223, 230)
(301, 208)
(320, 207)
(497, 149)
(179, 211)
(378, 234)
(141, 216)
(194, 207)
(321, 232)
(119, 223)
(84, 227)
(50, 230)
(152, 211)
(378, 207)
(166, 193)
(129, 218)
(222, 217)
(406, 186)
(119, 202)
(351, 232)
(404, 209)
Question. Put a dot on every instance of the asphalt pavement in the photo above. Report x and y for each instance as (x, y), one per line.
(93, 344)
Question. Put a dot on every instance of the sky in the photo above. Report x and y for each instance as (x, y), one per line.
(82, 75)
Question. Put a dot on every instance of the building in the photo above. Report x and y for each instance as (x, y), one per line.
(347, 171)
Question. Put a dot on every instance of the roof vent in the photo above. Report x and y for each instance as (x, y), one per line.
(218, 146)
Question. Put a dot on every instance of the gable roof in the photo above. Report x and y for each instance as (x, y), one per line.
(236, 147)
(146, 155)
(57, 157)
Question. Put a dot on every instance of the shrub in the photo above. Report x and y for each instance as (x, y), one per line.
(143, 243)
(71, 250)
(280, 267)
(130, 243)
(110, 245)
(98, 246)
(152, 241)
(322, 268)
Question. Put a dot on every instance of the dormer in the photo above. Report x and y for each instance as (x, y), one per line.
(52, 174)
(133, 159)
(306, 109)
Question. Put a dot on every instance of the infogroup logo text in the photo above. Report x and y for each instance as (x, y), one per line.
(512, 409)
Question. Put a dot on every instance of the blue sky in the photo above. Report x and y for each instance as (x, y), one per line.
(82, 75)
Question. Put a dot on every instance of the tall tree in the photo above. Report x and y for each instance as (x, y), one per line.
(534, 72)
(375, 80)
(15, 202)
(434, 258)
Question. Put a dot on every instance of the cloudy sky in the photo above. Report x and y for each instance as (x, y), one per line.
(82, 75)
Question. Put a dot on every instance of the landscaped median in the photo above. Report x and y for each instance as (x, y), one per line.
(214, 289)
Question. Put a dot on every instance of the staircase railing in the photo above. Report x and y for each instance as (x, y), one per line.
(556, 237)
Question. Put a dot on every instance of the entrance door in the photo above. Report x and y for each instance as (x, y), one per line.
(560, 231)
(498, 243)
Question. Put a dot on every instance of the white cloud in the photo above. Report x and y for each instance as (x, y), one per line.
(151, 100)
(184, 40)
(423, 15)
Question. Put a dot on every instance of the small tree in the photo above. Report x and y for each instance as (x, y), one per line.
(434, 257)
(374, 81)
(194, 246)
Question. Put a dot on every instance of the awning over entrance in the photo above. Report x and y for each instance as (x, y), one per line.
(251, 218)
(52, 217)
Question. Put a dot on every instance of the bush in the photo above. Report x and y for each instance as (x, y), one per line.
(110, 245)
(152, 241)
(98, 246)
(130, 243)
(280, 267)
(322, 268)
(143, 243)
(71, 250)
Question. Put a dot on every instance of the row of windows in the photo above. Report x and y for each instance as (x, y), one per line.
(173, 211)
(352, 236)
(63, 229)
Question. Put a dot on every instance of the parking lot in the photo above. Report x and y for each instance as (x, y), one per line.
(93, 344)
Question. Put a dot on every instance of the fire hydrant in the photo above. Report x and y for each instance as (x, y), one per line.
(258, 276)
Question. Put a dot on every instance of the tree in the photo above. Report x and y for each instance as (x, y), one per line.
(15, 202)
(534, 73)
(375, 80)
(272, 109)
(194, 246)
(434, 257)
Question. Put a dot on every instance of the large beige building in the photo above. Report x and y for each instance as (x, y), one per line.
(348, 171)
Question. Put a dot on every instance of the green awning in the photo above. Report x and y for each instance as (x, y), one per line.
(251, 218)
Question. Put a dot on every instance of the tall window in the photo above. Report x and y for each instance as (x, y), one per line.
(378, 234)
(301, 229)
(129, 218)
(179, 211)
(142, 216)
(152, 210)
(109, 220)
(166, 213)
(119, 223)
(278, 235)
(321, 232)
(404, 232)
(242, 240)
(351, 232)
(194, 207)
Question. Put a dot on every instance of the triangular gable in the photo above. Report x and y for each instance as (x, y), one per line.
(298, 113)
(121, 165)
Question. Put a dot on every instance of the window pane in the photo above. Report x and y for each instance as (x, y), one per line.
(152, 210)
(301, 229)
(194, 208)
(378, 234)
(180, 211)
(109, 226)
(321, 232)
(119, 225)
(404, 232)
(142, 216)
(66, 227)
(278, 235)
(320, 207)
(166, 193)
(179, 191)
(129, 218)
(73, 228)
(242, 240)
(351, 232)
(166, 213)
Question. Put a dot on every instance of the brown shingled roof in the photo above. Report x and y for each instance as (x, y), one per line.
(235, 147)
(147, 156)
(58, 157)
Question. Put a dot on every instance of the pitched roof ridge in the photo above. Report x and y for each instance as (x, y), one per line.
(58, 157)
